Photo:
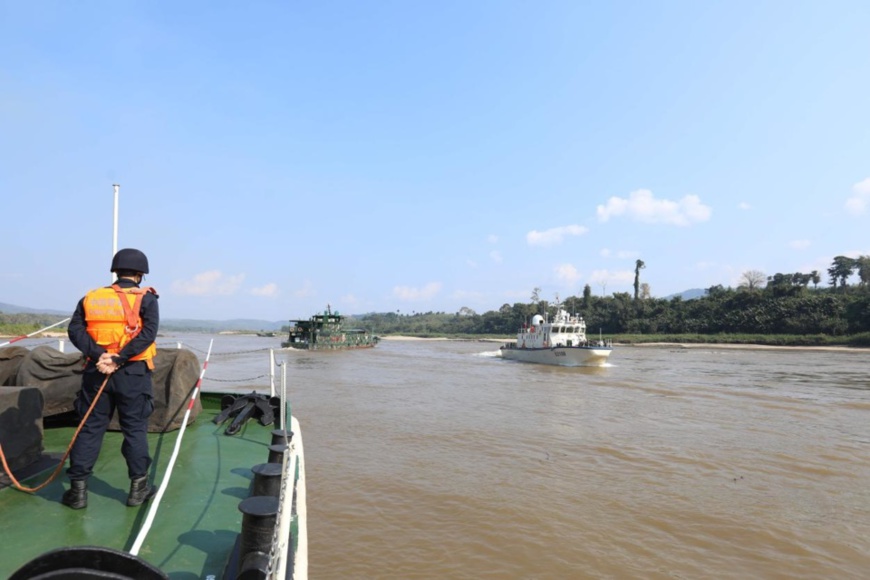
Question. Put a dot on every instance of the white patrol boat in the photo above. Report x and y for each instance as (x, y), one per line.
(561, 341)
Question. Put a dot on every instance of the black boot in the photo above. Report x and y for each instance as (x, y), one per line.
(76, 496)
(140, 491)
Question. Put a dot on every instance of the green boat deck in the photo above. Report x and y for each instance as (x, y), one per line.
(198, 518)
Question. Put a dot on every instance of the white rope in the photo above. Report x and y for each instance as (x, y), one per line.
(155, 503)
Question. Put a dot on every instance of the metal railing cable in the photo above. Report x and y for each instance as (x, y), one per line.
(247, 380)
(219, 354)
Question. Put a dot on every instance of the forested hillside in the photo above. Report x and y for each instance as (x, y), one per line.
(782, 304)
(27, 322)
(722, 310)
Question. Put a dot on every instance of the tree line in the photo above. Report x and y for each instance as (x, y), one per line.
(25, 323)
(781, 304)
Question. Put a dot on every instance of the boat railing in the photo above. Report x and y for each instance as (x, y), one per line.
(292, 488)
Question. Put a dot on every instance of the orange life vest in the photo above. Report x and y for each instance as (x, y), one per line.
(113, 319)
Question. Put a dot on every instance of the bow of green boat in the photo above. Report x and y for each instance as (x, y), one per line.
(227, 505)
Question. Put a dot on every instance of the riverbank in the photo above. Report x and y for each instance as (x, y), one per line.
(49, 334)
(403, 337)
(720, 345)
(686, 345)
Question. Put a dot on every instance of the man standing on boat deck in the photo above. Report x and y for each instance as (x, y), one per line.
(115, 328)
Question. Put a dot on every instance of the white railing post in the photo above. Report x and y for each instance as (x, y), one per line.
(284, 395)
(115, 187)
(272, 372)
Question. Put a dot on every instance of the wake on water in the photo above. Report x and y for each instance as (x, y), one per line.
(489, 354)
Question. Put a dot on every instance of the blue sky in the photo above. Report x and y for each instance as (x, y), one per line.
(275, 157)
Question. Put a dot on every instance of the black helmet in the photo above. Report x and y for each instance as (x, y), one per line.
(130, 259)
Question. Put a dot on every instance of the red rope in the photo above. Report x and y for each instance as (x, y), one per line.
(65, 455)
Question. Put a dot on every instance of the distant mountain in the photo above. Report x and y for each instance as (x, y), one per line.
(12, 309)
(186, 324)
(689, 294)
(169, 323)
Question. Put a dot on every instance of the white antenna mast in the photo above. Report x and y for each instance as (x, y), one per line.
(116, 187)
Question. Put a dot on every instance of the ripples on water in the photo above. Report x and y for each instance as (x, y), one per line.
(437, 459)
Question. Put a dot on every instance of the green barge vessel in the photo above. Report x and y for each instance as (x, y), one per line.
(326, 332)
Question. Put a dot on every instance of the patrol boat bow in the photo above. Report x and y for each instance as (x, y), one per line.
(233, 507)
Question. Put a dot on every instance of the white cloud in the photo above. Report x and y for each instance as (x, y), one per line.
(819, 265)
(410, 294)
(743, 205)
(471, 263)
(349, 300)
(857, 204)
(517, 295)
(495, 256)
(612, 278)
(269, 290)
(799, 244)
(642, 206)
(619, 254)
(469, 295)
(211, 283)
(307, 290)
(554, 236)
(492, 239)
(567, 273)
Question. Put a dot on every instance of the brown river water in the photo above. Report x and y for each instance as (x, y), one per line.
(437, 459)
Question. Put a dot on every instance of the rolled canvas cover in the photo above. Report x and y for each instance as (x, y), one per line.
(58, 376)
(175, 374)
(10, 360)
(20, 426)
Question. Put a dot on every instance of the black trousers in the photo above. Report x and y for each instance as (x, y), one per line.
(129, 391)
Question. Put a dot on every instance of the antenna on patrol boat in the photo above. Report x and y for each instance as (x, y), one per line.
(115, 187)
